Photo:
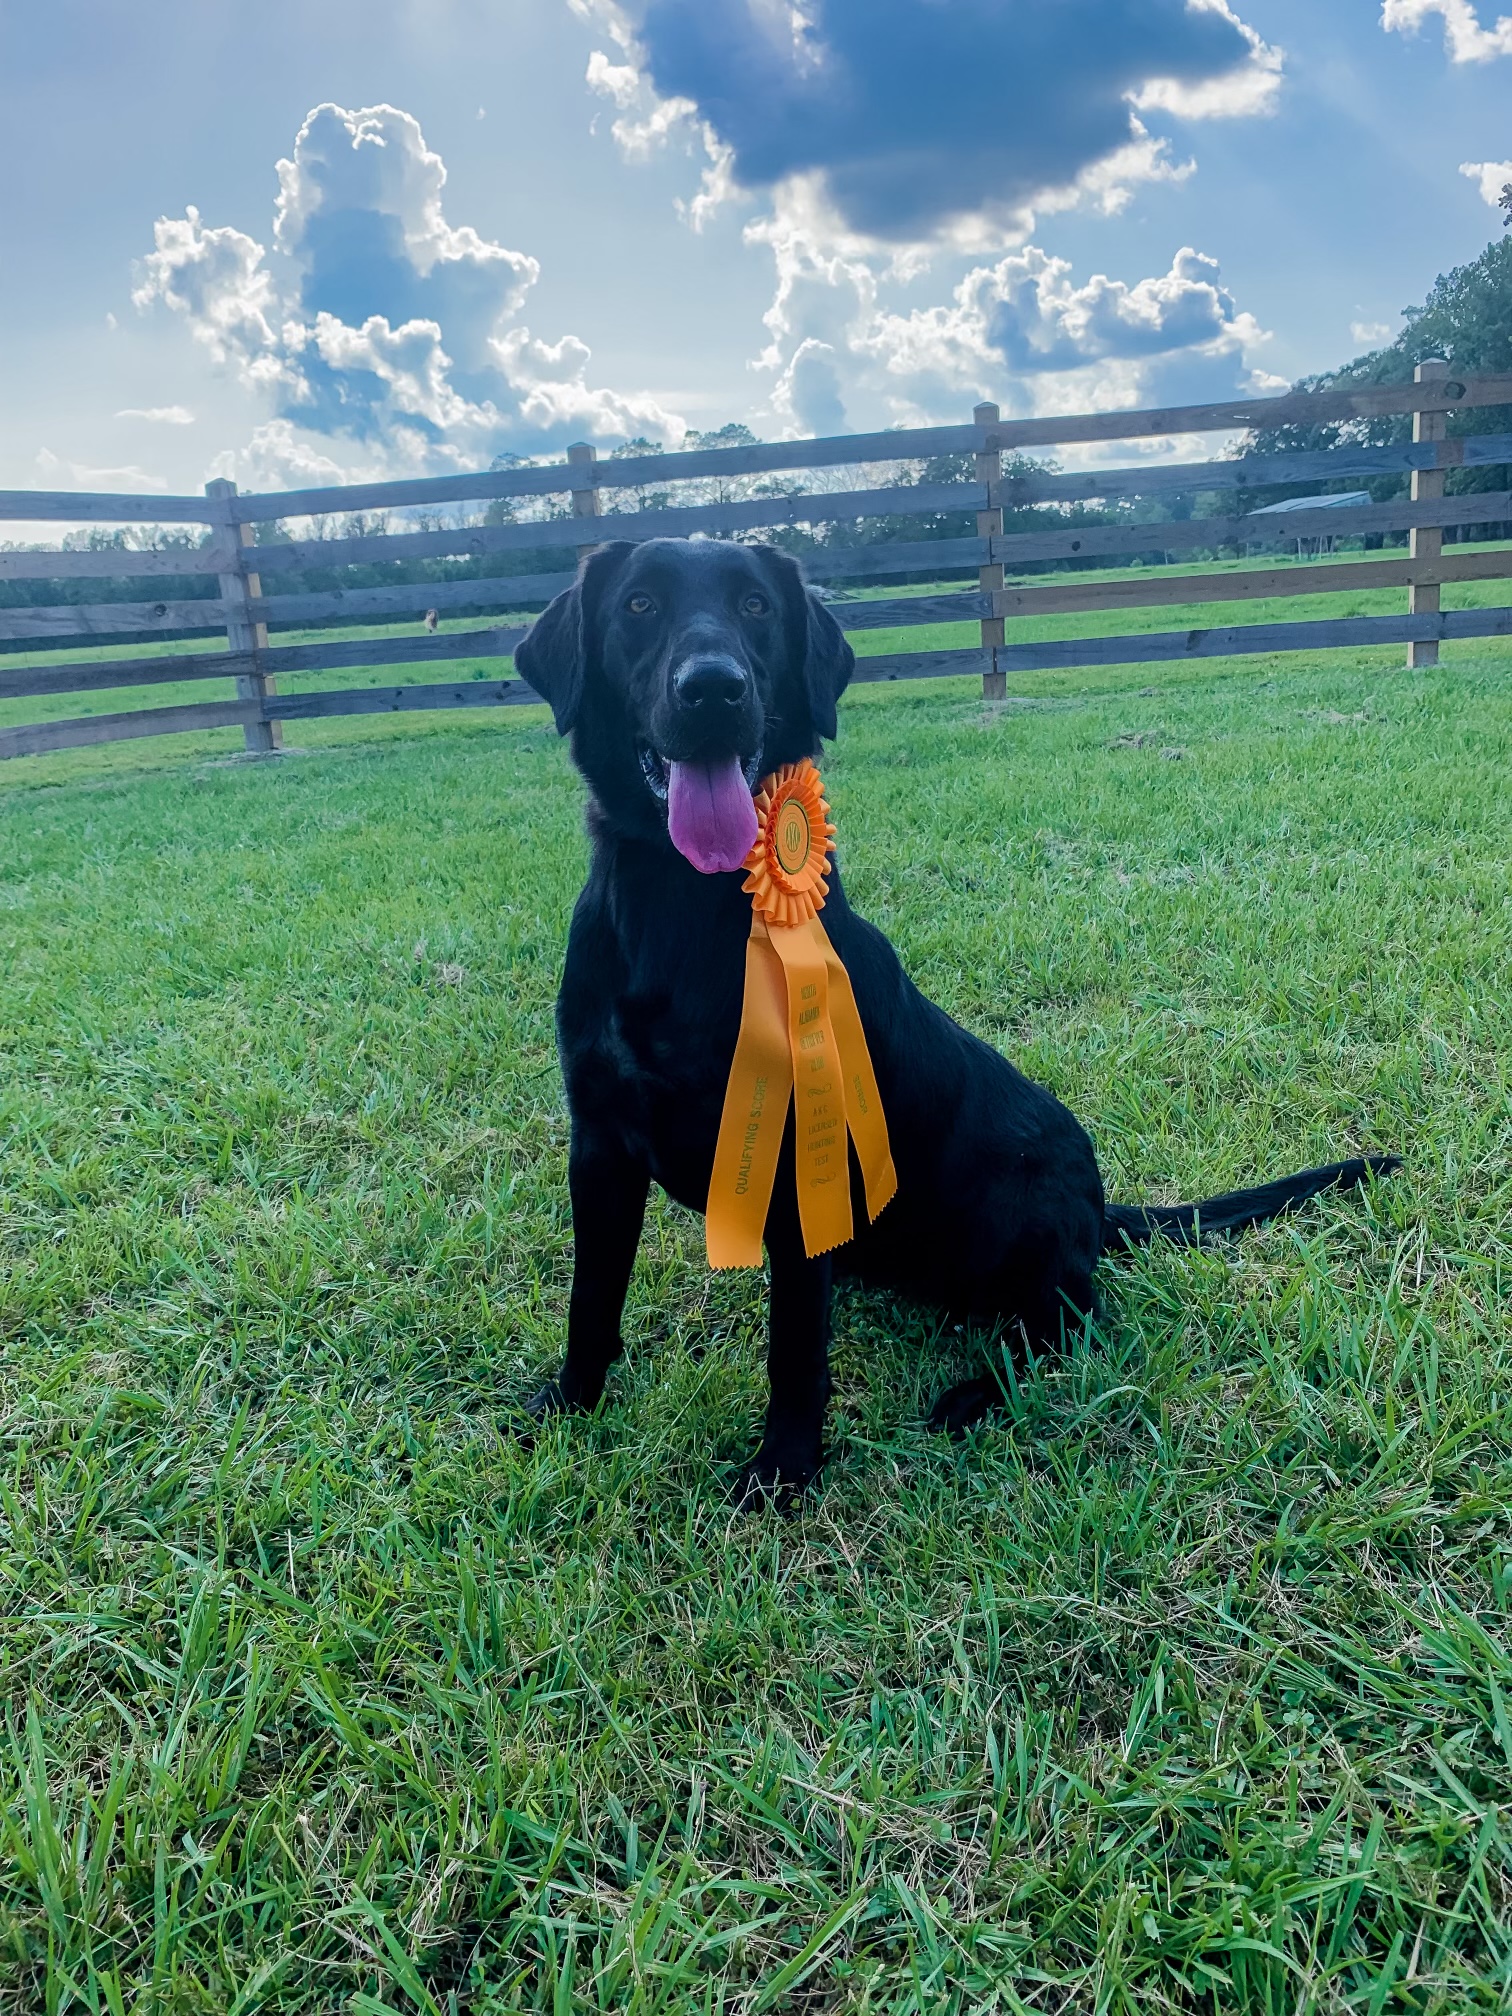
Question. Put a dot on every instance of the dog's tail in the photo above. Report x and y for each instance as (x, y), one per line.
(1137, 1224)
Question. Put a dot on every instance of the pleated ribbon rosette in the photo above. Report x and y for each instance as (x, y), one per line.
(800, 1039)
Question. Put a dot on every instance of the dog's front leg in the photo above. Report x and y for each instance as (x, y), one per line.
(609, 1189)
(792, 1446)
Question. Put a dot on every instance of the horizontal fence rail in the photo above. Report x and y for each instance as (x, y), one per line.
(35, 739)
(40, 642)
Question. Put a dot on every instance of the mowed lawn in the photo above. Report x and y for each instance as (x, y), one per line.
(1184, 1684)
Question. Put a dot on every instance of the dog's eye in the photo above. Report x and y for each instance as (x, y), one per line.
(755, 605)
(640, 605)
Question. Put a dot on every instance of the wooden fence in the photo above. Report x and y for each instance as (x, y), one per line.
(247, 574)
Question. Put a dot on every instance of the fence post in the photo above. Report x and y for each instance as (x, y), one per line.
(1426, 541)
(242, 634)
(989, 469)
(586, 500)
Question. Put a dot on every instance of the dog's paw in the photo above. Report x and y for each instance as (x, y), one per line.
(548, 1400)
(961, 1407)
(563, 1394)
(769, 1480)
(546, 1404)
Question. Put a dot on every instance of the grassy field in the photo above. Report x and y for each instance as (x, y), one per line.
(1184, 1685)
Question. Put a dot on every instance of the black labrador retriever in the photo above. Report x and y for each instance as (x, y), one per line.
(684, 670)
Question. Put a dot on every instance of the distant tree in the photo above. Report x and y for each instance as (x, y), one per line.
(733, 434)
(504, 510)
(724, 489)
(72, 590)
(1467, 320)
(638, 496)
(1505, 200)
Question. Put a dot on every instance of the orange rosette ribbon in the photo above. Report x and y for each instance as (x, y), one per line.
(800, 1037)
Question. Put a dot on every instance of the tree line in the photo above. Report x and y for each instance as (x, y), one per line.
(1467, 320)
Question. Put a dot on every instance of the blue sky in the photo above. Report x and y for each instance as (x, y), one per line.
(501, 225)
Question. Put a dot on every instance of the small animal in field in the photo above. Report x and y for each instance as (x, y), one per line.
(431, 621)
(685, 671)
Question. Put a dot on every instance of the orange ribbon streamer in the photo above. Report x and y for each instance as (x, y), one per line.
(800, 1039)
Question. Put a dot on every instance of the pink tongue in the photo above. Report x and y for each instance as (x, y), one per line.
(710, 814)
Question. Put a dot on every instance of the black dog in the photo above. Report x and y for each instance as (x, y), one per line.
(679, 664)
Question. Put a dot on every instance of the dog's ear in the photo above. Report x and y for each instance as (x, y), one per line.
(827, 660)
(552, 656)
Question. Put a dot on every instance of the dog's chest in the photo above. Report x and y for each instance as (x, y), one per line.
(677, 1029)
(651, 1055)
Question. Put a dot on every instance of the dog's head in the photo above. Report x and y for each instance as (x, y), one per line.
(684, 670)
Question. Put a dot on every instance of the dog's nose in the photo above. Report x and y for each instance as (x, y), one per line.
(710, 684)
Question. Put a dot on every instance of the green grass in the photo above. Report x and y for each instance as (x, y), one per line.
(1184, 1686)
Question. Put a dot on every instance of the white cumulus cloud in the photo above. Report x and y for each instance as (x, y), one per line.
(1037, 320)
(277, 457)
(1025, 322)
(57, 472)
(215, 279)
(160, 416)
(385, 325)
(809, 396)
(1464, 37)
(1253, 87)
(1492, 178)
(360, 214)
(1021, 330)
